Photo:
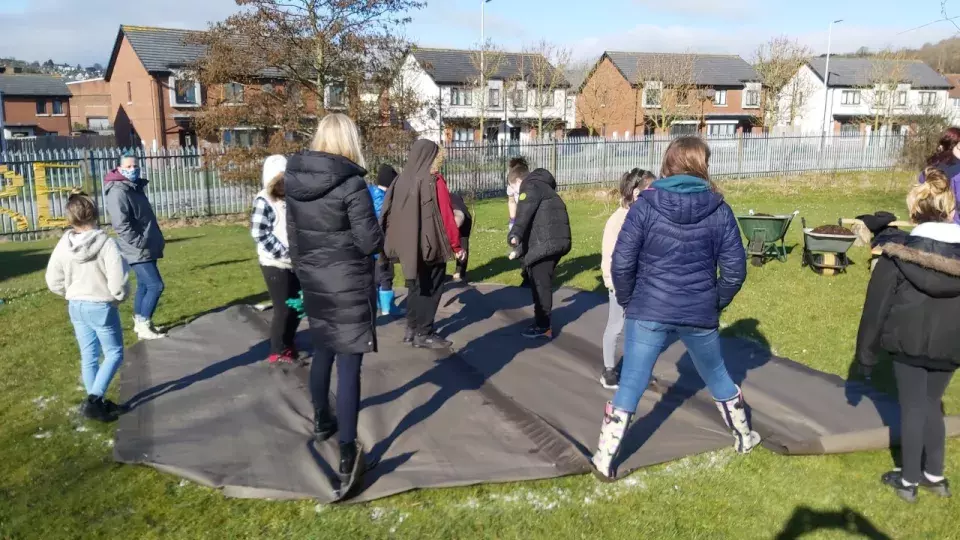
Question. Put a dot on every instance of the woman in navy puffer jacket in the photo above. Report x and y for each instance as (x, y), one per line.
(676, 237)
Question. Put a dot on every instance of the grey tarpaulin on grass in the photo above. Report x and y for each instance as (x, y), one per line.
(499, 408)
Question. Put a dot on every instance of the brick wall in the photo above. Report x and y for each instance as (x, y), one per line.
(134, 95)
(22, 110)
(91, 99)
(608, 103)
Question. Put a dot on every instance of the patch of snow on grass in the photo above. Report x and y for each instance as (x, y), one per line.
(43, 435)
(42, 402)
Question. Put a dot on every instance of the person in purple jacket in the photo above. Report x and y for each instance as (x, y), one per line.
(675, 238)
(947, 160)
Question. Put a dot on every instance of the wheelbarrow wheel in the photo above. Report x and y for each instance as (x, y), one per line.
(828, 259)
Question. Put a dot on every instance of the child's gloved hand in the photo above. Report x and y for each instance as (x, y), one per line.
(296, 304)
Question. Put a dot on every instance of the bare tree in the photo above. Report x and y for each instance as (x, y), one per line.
(276, 66)
(600, 105)
(778, 62)
(487, 62)
(668, 88)
(881, 94)
(543, 65)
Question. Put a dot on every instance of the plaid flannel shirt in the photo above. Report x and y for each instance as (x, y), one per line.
(262, 229)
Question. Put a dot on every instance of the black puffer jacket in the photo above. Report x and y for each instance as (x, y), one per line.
(542, 226)
(333, 232)
(912, 304)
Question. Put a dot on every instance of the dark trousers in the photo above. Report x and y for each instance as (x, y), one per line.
(348, 386)
(282, 285)
(541, 276)
(922, 431)
(424, 297)
(462, 265)
(384, 273)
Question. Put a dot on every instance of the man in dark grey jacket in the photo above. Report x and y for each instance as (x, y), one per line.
(140, 239)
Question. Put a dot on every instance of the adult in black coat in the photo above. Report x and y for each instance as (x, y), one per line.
(911, 313)
(541, 236)
(333, 233)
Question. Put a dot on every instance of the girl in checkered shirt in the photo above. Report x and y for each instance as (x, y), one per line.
(269, 229)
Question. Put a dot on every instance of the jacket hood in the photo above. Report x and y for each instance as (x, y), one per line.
(272, 166)
(115, 179)
(682, 199)
(85, 246)
(931, 266)
(311, 175)
(544, 176)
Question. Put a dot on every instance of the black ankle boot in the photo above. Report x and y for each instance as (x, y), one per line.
(324, 425)
(351, 467)
(95, 409)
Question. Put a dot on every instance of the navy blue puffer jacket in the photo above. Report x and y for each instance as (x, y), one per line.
(675, 237)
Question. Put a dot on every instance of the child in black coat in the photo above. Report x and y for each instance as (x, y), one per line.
(541, 235)
(465, 225)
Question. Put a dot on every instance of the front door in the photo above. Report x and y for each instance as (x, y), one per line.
(188, 138)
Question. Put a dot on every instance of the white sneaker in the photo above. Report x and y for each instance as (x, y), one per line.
(145, 330)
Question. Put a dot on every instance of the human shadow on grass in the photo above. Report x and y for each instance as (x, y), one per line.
(881, 393)
(689, 384)
(470, 368)
(222, 263)
(493, 267)
(806, 521)
(569, 269)
(20, 263)
(255, 354)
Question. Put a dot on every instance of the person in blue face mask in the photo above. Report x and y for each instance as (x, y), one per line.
(141, 241)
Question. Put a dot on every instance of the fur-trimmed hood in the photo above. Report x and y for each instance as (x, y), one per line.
(931, 266)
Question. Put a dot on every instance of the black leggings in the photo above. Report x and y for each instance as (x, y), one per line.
(541, 274)
(424, 297)
(384, 273)
(282, 284)
(348, 387)
(922, 432)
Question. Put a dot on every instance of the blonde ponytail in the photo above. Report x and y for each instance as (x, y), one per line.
(933, 200)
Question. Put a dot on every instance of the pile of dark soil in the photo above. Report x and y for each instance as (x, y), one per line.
(762, 215)
(834, 229)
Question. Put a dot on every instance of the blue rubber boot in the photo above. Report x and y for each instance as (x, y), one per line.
(386, 302)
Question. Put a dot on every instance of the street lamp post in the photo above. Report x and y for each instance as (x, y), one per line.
(483, 74)
(826, 80)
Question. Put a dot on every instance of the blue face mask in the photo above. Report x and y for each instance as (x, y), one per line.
(131, 174)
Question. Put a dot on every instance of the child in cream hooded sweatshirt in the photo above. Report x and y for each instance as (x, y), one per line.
(86, 268)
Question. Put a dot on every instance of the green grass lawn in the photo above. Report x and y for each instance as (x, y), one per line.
(57, 478)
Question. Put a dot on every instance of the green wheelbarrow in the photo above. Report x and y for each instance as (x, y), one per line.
(765, 236)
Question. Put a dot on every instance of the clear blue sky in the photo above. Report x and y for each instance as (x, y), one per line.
(82, 31)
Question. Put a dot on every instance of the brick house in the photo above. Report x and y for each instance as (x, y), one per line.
(445, 81)
(34, 105)
(629, 93)
(90, 104)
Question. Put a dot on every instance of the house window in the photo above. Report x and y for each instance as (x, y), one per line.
(463, 135)
(546, 98)
(849, 130)
(850, 97)
(651, 95)
(683, 96)
(240, 137)
(902, 98)
(518, 98)
(184, 92)
(928, 98)
(720, 98)
(129, 92)
(58, 107)
(494, 98)
(570, 103)
(41, 107)
(721, 130)
(881, 98)
(461, 97)
(337, 96)
(752, 98)
(233, 93)
(956, 103)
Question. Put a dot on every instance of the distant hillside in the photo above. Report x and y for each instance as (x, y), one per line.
(68, 72)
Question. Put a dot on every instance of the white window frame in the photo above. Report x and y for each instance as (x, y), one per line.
(545, 99)
(328, 97)
(850, 97)
(656, 86)
(465, 96)
(234, 131)
(729, 129)
(901, 98)
(490, 101)
(235, 100)
(928, 99)
(53, 108)
(522, 106)
(748, 90)
(955, 102)
(173, 92)
(464, 135)
(720, 98)
(36, 108)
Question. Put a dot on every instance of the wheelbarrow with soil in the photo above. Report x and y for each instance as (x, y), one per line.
(765, 236)
(825, 248)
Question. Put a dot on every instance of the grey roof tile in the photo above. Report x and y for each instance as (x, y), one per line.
(709, 69)
(851, 72)
(454, 66)
(163, 49)
(33, 85)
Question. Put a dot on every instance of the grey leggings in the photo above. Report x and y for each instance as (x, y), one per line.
(922, 433)
(612, 332)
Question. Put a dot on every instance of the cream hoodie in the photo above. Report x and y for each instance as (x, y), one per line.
(87, 266)
(610, 233)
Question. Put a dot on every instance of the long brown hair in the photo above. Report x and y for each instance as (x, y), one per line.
(944, 154)
(933, 200)
(690, 156)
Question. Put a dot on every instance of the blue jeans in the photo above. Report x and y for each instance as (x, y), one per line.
(643, 343)
(149, 289)
(97, 326)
